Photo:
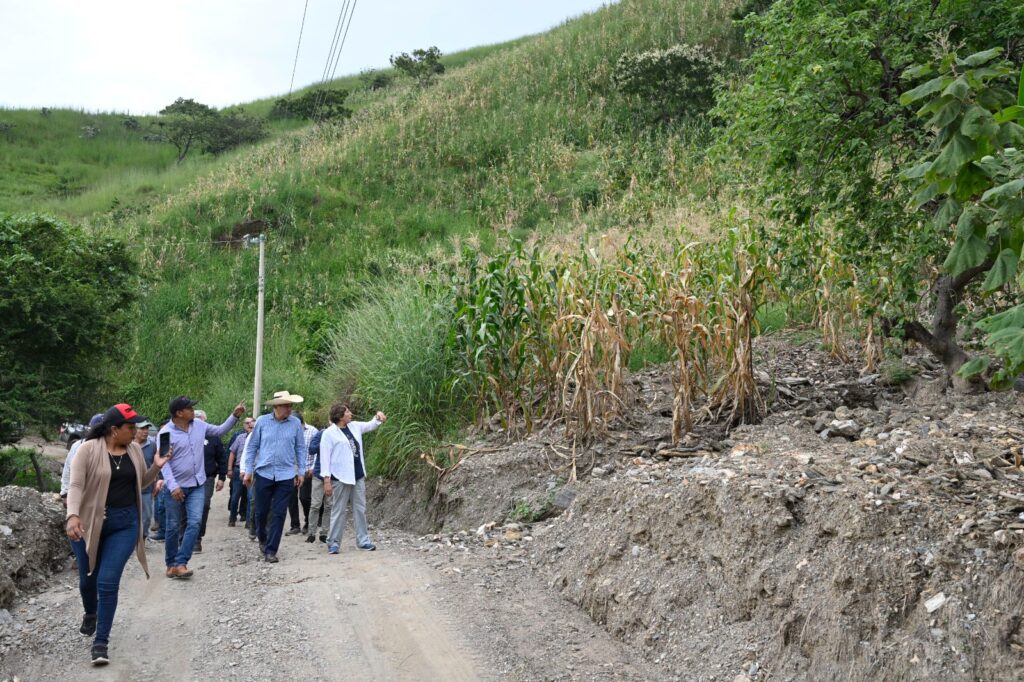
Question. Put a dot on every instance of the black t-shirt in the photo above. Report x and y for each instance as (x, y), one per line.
(360, 474)
(123, 482)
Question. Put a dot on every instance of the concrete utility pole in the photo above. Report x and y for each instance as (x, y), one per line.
(257, 384)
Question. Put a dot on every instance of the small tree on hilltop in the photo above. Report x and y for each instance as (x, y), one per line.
(187, 122)
(421, 65)
(231, 128)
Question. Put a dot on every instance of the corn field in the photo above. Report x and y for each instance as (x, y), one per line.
(549, 337)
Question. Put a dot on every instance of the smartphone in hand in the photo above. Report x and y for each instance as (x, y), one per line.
(165, 443)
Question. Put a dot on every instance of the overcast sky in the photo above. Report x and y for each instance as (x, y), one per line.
(137, 56)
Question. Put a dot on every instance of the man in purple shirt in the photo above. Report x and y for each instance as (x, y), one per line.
(184, 477)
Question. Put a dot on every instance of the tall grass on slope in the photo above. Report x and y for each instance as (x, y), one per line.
(391, 354)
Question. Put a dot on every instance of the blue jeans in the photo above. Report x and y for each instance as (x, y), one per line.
(192, 509)
(118, 539)
(271, 497)
(235, 506)
(160, 512)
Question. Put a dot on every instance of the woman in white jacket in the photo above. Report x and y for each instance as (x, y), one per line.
(343, 467)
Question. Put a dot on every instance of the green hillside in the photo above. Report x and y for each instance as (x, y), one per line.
(528, 138)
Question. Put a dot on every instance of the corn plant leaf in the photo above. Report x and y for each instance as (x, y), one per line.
(1020, 88)
(1010, 114)
(1003, 270)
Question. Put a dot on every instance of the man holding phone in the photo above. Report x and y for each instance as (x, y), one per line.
(185, 476)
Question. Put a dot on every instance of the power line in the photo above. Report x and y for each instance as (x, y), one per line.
(334, 55)
(296, 63)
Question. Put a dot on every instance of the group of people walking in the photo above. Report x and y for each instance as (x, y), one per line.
(113, 474)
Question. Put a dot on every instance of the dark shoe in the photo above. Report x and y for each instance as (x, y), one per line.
(294, 531)
(271, 558)
(263, 548)
(310, 538)
(157, 538)
(88, 624)
(252, 533)
(198, 548)
(369, 546)
(231, 523)
(323, 538)
(305, 529)
(99, 654)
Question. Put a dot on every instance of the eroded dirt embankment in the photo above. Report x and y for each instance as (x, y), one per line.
(863, 532)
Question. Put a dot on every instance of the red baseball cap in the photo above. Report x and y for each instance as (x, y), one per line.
(122, 413)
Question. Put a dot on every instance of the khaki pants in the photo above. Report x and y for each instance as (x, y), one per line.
(318, 500)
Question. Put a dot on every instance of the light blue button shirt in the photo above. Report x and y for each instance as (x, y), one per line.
(187, 466)
(275, 449)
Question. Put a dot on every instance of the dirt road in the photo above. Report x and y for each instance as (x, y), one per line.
(393, 614)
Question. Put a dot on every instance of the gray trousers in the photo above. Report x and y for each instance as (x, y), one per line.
(342, 493)
(318, 500)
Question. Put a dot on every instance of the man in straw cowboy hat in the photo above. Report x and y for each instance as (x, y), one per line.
(273, 462)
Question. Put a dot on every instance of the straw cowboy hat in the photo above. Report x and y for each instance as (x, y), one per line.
(284, 398)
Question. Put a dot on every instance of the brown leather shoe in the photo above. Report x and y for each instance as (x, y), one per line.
(180, 572)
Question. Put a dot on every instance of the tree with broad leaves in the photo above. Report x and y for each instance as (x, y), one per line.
(972, 182)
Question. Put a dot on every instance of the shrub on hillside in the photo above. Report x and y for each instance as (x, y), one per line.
(374, 79)
(669, 84)
(5, 129)
(230, 129)
(130, 123)
(422, 65)
(321, 104)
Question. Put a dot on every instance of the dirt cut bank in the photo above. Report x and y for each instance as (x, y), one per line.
(864, 532)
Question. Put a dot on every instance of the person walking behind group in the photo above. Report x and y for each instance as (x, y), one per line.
(275, 453)
(320, 504)
(184, 477)
(148, 447)
(104, 515)
(238, 502)
(65, 474)
(216, 466)
(343, 467)
(301, 495)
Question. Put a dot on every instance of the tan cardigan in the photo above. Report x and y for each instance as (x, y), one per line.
(87, 495)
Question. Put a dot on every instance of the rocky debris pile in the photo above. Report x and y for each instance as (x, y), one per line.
(32, 542)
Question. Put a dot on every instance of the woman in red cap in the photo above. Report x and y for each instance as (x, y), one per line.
(104, 516)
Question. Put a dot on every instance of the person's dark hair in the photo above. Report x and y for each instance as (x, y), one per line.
(99, 431)
(337, 412)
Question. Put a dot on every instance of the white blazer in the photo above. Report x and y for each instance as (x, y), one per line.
(336, 456)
